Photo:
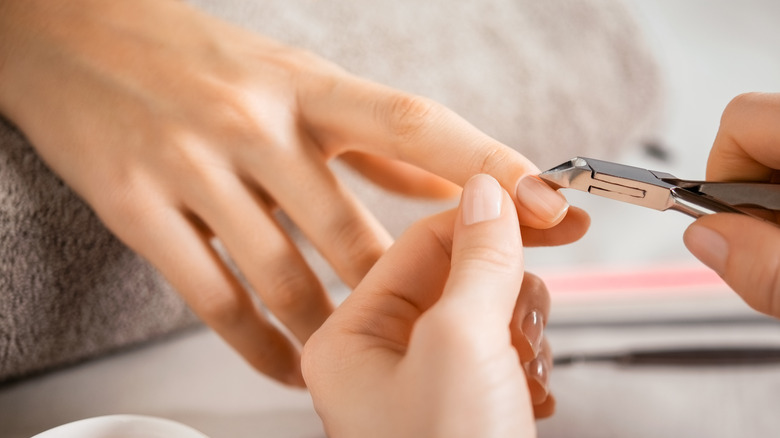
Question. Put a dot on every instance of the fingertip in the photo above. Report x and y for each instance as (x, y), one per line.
(709, 246)
(487, 252)
(546, 408)
(744, 252)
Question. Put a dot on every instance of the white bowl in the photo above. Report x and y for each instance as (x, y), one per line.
(122, 426)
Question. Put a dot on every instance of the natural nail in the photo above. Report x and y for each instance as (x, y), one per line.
(533, 330)
(481, 199)
(537, 370)
(539, 198)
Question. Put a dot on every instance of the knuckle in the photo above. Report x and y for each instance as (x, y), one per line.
(270, 357)
(499, 258)
(358, 245)
(190, 168)
(497, 157)
(287, 290)
(235, 119)
(408, 115)
(222, 310)
(127, 205)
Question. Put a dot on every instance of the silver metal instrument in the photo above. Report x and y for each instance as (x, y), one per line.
(662, 191)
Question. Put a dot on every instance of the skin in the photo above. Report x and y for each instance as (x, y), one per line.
(429, 344)
(744, 250)
(178, 129)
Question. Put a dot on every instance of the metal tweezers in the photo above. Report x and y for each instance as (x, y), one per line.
(662, 191)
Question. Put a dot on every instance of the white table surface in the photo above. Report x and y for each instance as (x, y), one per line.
(193, 378)
(196, 379)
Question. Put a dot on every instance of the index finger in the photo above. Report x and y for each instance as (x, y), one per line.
(359, 115)
(747, 146)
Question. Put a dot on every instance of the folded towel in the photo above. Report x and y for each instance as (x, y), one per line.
(68, 288)
(551, 78)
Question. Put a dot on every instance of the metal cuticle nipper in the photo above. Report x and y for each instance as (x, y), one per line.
(662, 191)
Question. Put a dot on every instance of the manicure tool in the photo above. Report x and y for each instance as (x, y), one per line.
(659, 190)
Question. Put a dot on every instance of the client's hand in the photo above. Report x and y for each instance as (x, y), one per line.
(427, 345)
(177, 128)
(743, 250)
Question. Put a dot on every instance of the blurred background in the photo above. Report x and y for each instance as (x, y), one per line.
(630, 285)
(708, 52)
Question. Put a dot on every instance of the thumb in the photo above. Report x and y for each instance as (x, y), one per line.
(487, 258)
(745, 252)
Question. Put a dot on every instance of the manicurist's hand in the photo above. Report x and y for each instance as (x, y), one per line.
(178, 128)
(743, 250)
(433, 341)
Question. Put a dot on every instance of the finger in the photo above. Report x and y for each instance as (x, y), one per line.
(360, 115)
(403, 285)
(400, 177)
(487, 260)
(330, 216)
(537, 373)
(530, 317)
(546, 408)
(746, 146)
(264, 254)
(185, 257)
(409, 279)
(744, 252)
(573, 226)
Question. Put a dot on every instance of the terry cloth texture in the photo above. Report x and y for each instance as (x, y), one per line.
(553, 79)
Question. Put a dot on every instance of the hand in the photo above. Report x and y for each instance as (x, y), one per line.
(743, 250)
(430, 343)
(178, 128)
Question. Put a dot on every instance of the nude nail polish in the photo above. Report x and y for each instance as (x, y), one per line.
(533, 330)
(481, 200)
(540, 199)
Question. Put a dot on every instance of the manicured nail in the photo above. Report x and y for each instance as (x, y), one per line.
(537, 370)
(533, 330)
(481, 199)
(539, 198)
(707, 245)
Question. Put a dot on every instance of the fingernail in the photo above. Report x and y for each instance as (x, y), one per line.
(537, 370)
(481, 199)
(707, 245)
(539, 198)
(533, 329)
